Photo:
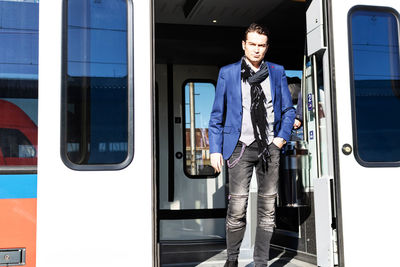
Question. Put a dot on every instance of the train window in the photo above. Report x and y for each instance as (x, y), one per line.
(19, 85)
(375, 67)
(97, 88)
(198, 100)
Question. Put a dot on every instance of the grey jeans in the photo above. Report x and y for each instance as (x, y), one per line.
(239, 184)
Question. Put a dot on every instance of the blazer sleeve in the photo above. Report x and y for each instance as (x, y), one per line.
(216, 124)
(299, 108)
(287, 109)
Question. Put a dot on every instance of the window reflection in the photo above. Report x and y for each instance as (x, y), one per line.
(96, 83)
(198, 105)
(18, 83)
(376, 76)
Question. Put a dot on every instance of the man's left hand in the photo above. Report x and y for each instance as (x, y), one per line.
(279, 141)
(296, 124)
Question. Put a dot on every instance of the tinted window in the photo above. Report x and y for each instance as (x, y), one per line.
(96, 103)
(18, 83)
(376, 87)
(199, 98)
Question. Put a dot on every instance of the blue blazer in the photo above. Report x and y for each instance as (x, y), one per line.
(226, 115)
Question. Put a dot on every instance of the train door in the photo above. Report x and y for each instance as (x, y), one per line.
(191, 197)
(95, 134)
(355, 47)
(366, 60)
(193, 39)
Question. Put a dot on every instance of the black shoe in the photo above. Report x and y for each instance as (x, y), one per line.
(231, 263)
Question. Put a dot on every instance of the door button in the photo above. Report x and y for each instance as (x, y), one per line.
(178, 155)
(347, 149)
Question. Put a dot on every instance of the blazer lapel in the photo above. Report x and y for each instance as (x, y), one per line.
(271, 80)
(237, 84)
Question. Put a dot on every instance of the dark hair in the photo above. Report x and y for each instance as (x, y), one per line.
(258, 28)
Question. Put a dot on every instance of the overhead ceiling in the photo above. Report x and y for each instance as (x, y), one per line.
(233, 13)
(210, 31)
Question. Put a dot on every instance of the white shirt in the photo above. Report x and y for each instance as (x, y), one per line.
(247, 132)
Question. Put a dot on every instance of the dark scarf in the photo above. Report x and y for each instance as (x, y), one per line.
(257, 108)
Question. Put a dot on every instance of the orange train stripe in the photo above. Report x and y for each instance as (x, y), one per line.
(18, 226)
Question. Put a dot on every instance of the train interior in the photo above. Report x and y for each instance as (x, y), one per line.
(193, 39)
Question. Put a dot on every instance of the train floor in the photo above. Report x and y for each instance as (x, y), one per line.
(187, 256)
(278, 262)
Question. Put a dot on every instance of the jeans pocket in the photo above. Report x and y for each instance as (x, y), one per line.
(272, 145)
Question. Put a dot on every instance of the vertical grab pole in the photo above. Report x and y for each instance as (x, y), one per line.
(192, 130)
(316, 105)
(171, 141)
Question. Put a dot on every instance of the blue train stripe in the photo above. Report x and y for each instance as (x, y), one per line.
(18, 186)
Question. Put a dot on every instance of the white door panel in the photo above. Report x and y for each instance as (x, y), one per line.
(93, 218)
(368, 194)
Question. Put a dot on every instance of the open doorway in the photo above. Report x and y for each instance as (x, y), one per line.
(193, 39)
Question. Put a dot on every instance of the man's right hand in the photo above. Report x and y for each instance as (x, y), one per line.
(217, 161)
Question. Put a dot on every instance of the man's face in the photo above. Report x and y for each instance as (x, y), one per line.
(255, 47)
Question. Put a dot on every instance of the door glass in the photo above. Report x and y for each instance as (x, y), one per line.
(197, 114)
(96, 84)
(375, 72)
(310, 127)
(320, 107)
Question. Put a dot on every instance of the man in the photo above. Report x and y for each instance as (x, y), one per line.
(251, 120)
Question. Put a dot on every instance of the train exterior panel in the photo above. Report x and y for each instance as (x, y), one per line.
(18, 132)
(18, 206)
